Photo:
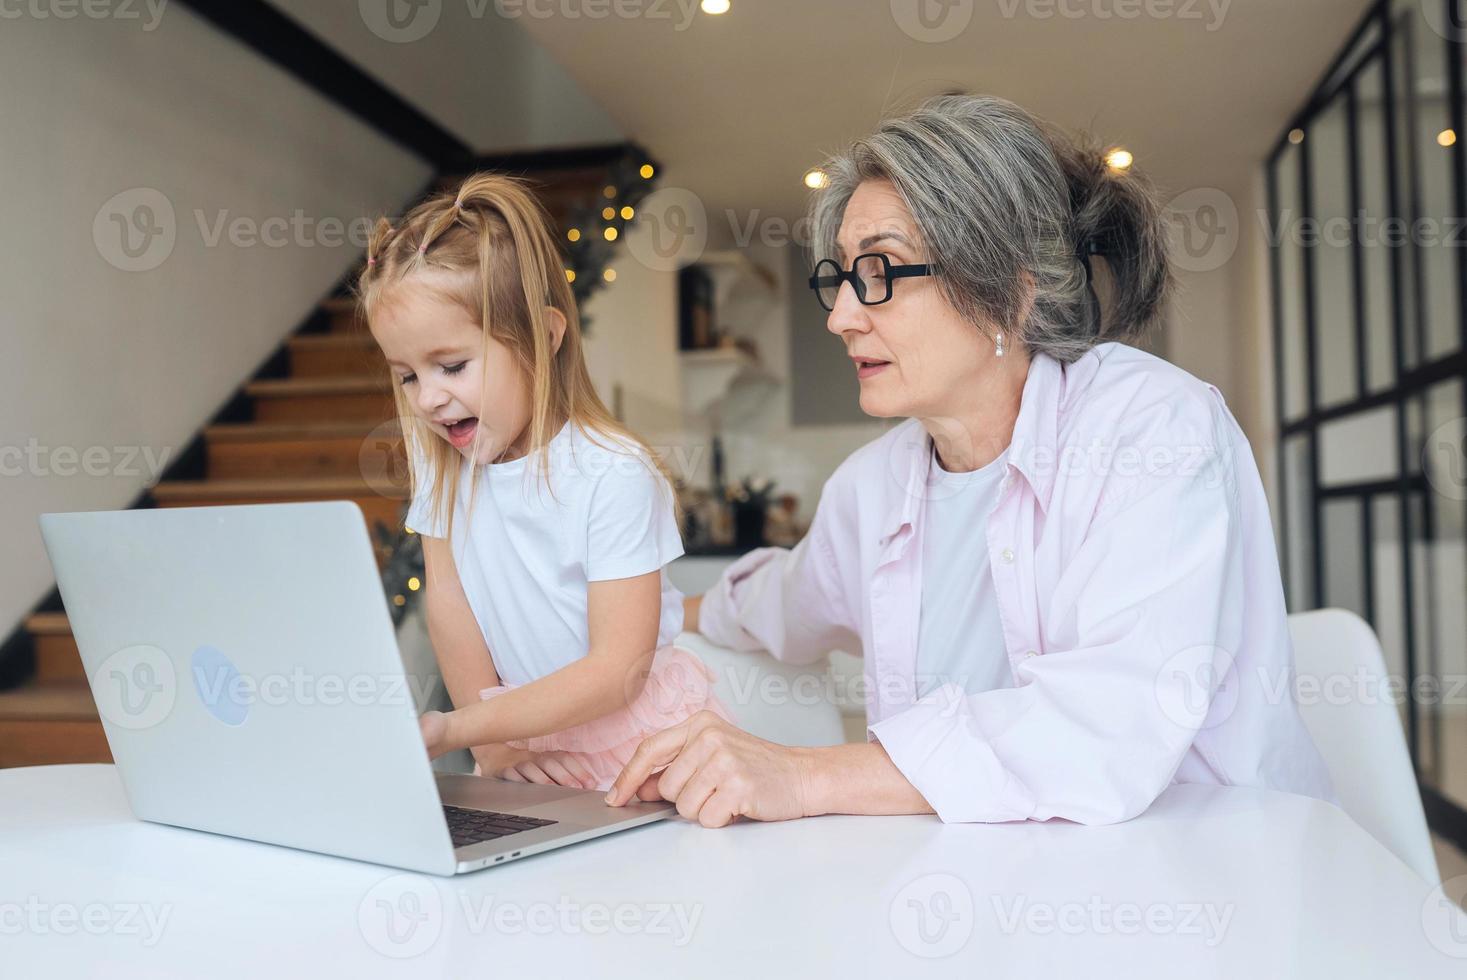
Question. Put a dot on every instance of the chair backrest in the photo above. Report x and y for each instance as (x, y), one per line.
(1347, 707)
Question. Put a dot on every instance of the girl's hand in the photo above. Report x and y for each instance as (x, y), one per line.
(551, 769)
(434, 727)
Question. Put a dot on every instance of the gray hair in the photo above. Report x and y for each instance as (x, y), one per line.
(996, 194)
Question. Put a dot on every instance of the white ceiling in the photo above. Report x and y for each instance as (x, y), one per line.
(739, 106)
(744, 103)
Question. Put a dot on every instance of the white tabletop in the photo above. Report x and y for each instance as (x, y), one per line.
(1211, 882)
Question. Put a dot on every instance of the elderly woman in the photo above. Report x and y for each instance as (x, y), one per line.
(1060, 568)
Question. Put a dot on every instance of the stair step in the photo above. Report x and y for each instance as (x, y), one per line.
(378, 507)
(325, 399)
(57, 658)
(50, 724)
(305, 449)
(332, 354)
(341, 311)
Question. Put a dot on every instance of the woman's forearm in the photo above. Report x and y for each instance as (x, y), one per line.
(857, 778)
(581, 691)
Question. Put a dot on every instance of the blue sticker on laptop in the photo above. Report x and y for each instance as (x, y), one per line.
(217, 682)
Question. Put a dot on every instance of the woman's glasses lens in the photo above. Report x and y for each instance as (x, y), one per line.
(873, 285)
(827, 283)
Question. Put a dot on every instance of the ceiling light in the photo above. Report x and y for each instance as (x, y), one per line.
(816, 179)
(716, 7)
(1119, 159)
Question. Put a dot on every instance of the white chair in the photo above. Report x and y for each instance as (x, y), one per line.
(1361, 737)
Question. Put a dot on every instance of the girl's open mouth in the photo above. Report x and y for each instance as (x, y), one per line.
(461, 433)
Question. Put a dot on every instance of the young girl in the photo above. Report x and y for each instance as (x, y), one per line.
(546, 525)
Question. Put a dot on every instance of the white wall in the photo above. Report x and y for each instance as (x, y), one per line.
(101, 365)
(477, 73)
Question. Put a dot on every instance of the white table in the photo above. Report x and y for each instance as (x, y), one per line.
(1211, 882)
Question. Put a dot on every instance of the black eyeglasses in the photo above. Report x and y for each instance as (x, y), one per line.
(870, 275)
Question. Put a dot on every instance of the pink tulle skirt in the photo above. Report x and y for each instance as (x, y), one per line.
(678, 686)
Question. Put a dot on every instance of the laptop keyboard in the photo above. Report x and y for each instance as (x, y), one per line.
(467, 826)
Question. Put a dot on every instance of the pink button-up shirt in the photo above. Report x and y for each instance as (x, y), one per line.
(1138, 587)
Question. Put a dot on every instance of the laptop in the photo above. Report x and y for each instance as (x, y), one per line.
(247, 674)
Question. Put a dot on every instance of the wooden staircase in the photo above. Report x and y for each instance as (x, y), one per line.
(316, 434)
(320, 430)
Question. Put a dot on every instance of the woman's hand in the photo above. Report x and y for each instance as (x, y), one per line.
(716, 772)
(549, 768)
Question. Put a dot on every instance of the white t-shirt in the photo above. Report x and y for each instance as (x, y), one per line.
(960, 636)
(526, 552)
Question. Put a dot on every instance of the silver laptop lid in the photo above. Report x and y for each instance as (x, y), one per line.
(246, 670)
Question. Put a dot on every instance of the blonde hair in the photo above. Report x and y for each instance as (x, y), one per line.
(489, 247)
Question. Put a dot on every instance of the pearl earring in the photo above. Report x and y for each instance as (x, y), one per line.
(998, 347)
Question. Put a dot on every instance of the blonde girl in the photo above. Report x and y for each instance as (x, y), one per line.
(547, 526)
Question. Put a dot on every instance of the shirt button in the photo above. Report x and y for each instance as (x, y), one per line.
(1030, 653)
(1007, 555)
